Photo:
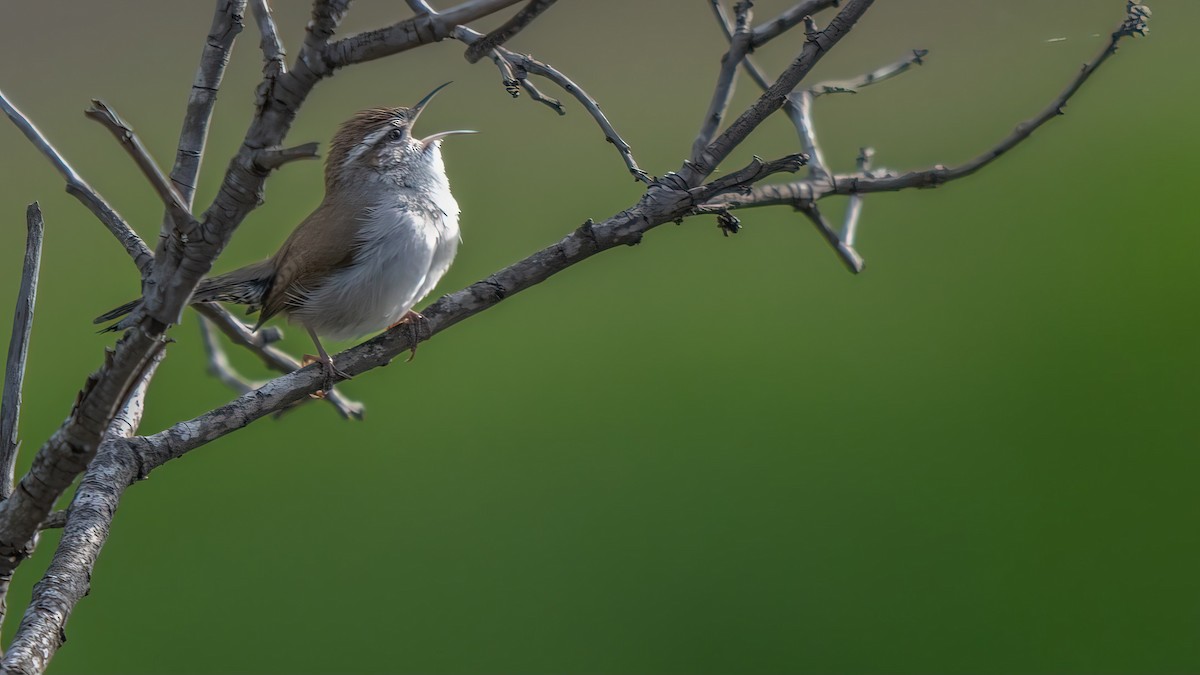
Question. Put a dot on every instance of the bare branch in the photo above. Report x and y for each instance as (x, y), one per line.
(739, 46)
(845, 251)
(420, 7)
(274, 55)
(508, 30)
(176, 206)
(78, 188)
(86, 526)
(788, 20)
(18, 349)
(526, 64)
(753, 172)
(854, 207)
(752, 69)
(273, 158)
(276, 359)
(418, 30)
(817, 45)
(218, 363)
(876, 76)
(799, 110)
(228, 18)
(792, 193)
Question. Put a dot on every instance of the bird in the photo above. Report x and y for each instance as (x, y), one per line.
(382, 237)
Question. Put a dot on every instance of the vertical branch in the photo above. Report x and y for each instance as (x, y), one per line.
(18, 350)
(854, 208)
(226, 24)
(739, 46)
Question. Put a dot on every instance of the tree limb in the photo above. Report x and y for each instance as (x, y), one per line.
(85, 529)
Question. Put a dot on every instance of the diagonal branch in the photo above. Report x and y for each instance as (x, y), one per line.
(18, 350)
(526, 64)
(876, 76)
(180, 215)
(739, 47)
(86, 527)
(79, 189)
(259, 343)
(788, 20)
(845, 251)
(508, 30)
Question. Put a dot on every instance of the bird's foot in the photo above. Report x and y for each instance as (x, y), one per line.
(332, 373)
(410, 319)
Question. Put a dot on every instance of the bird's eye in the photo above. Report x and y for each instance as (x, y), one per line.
(395, 135)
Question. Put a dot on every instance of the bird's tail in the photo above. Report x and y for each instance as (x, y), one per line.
(244, 286)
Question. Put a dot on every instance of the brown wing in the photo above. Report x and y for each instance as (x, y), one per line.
(320, 245)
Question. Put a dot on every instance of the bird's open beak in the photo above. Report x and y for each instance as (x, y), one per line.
(416, 112)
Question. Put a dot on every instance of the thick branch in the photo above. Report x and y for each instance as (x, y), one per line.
(67, 579)
(18, 350)
(78, 188)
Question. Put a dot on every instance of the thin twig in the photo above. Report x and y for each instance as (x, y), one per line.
(854, 207)
(420, 7)
(791, 17)
(815, 47)
(273, 158)
(876, 76)
(526, 64)
(218, 363)
(845, 251)
(18, 349)
(739, 46)
(78, 188)
(877, 181)
(175, 203)
(508, 30)
(260, 344)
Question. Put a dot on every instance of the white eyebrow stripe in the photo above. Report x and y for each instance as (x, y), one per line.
(368, 143)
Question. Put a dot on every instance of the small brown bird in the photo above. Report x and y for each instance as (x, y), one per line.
(382, 238)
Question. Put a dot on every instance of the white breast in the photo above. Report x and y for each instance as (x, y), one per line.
(404, 248)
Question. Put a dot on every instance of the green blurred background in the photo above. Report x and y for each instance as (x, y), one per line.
(700, 455)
